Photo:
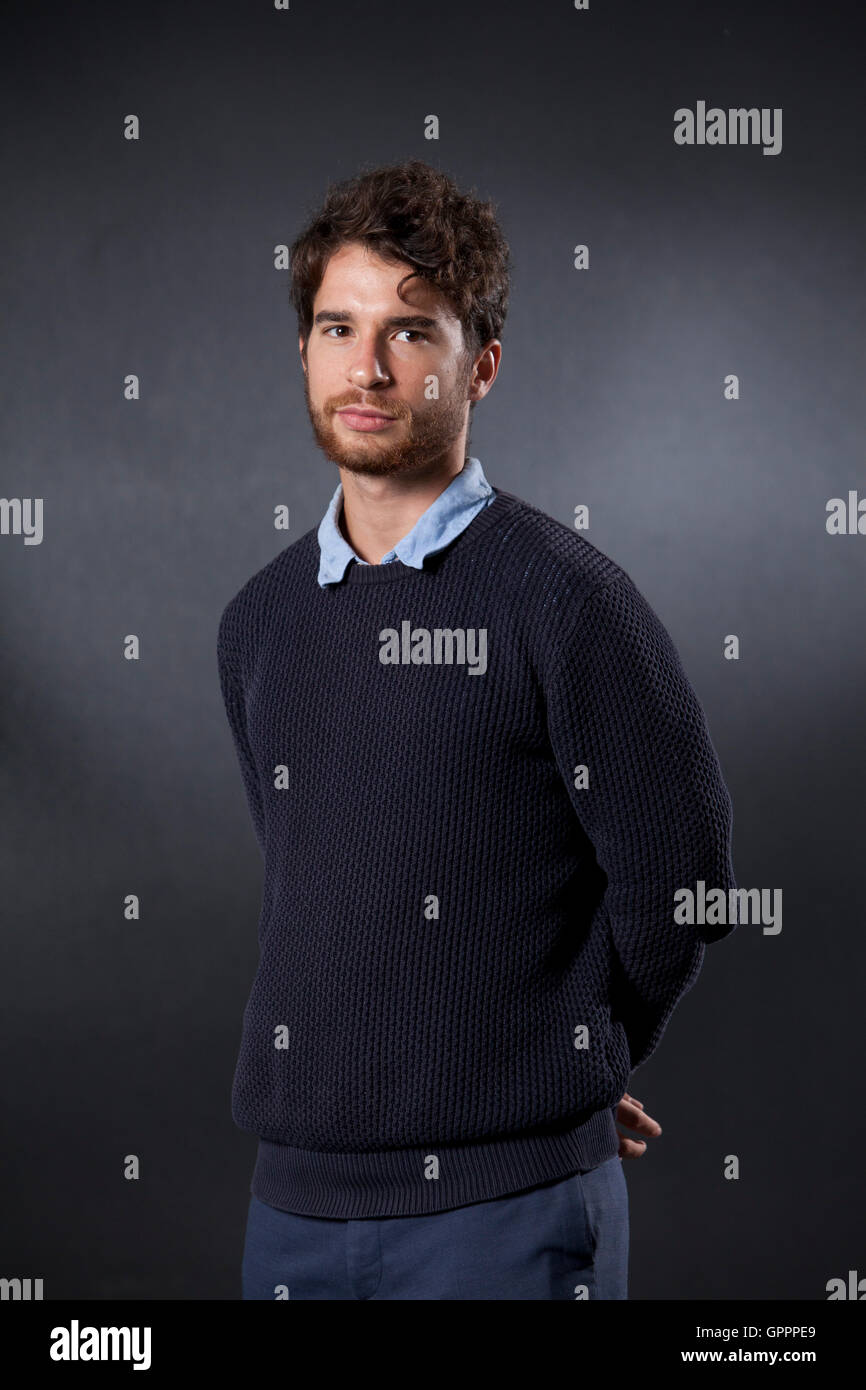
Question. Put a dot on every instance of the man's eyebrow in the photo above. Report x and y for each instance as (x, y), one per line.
(398, 321)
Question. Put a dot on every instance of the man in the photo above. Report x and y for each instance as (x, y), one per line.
(478, 775)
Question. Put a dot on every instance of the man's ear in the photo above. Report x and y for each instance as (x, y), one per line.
(302, 349)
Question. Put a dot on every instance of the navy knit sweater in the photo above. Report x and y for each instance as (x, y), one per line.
(467, 933)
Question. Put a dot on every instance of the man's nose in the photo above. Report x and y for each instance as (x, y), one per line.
(367, 367)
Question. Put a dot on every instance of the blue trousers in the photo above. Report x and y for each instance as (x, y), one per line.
(566, 1239)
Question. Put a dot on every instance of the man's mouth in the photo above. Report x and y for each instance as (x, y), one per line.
(359, 417)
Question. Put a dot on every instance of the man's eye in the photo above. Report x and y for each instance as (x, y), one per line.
(342, 327)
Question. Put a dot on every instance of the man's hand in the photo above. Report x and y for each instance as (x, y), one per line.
(630, 1113)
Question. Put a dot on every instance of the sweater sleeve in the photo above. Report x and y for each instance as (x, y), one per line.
(656, 808)
(233, 699)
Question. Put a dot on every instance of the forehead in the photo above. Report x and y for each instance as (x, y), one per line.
(356, 278)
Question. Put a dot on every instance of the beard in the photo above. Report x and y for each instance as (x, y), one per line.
(424, 438)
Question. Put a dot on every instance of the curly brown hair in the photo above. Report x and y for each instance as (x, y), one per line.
(414, 213)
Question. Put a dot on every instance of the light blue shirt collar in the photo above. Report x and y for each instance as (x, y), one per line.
(466, 495)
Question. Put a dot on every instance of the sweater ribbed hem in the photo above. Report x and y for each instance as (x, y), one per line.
(393, 1183)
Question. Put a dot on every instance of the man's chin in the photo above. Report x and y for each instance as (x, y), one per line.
(371, 467)
(374, 461)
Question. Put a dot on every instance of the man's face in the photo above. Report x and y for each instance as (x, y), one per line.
(357, 355)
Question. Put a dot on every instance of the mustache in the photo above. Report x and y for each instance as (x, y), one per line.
(395, 410)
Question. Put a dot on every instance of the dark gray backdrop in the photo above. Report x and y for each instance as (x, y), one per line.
(156, 257)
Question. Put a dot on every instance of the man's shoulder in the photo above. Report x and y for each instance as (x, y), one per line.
(564, 561)
(272, 582)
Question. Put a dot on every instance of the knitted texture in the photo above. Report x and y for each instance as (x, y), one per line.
(461, 952)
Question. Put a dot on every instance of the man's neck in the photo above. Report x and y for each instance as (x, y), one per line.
(378, 512)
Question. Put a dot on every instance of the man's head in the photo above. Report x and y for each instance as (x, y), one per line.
(400, 284)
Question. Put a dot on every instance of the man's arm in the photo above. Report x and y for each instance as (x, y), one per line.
(233, 699)
(656, 809)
